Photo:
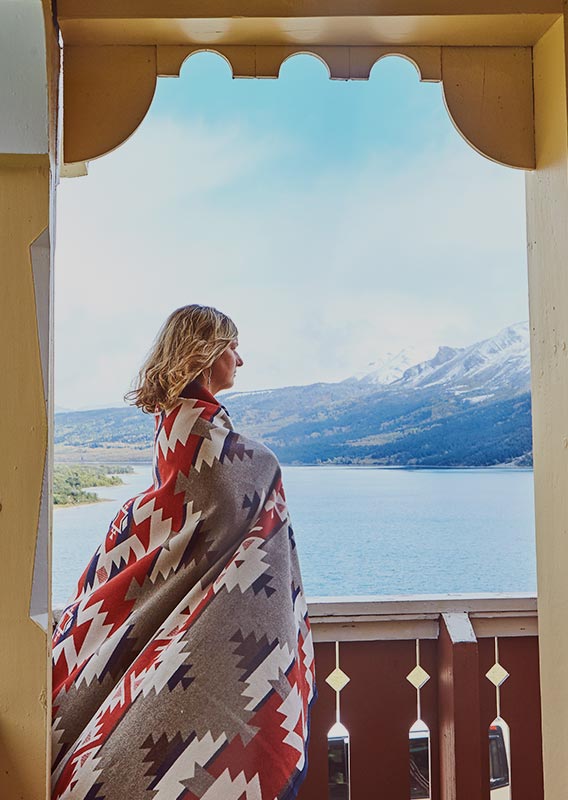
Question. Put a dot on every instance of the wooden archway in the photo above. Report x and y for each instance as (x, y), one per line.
(483, 58)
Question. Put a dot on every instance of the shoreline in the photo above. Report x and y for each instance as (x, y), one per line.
(409, 467)
(82, 505)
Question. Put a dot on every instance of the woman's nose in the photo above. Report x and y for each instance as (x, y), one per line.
(240, 361)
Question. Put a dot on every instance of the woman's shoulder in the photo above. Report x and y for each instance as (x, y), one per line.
(259, 449)
(233, 442)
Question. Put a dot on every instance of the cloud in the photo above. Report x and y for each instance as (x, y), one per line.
(322, 273)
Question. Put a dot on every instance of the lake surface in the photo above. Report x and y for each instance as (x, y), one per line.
(364, 531)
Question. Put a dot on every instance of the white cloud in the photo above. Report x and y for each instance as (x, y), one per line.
(321, 275)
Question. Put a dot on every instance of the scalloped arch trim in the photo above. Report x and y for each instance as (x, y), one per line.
(488, 90)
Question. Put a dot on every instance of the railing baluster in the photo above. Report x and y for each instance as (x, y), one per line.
(339, 770)
(499, 735)
(419, 734)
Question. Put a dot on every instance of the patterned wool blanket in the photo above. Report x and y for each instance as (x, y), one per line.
(184, 666)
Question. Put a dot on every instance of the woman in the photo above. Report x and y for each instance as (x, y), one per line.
(184, 666)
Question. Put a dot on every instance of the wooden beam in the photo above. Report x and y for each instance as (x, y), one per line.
(460, 729)
(464, 30)
(214, 9)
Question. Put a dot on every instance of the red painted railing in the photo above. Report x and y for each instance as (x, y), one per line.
(459, 640)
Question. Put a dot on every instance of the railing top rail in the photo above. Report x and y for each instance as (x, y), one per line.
(417, 616)
(421, 604)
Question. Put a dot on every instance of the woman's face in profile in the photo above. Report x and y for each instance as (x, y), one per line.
(224, 370)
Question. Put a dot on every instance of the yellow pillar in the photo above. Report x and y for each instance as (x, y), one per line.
(28, 75)
(24, 204)
(547, 221)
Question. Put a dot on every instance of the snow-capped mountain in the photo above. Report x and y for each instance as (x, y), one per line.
(465, 406)
(482, 370)
(388, 369)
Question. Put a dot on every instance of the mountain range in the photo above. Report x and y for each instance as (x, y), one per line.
(467, 406)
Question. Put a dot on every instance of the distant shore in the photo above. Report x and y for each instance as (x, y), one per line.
(65, 454)
(125, 456)
(70, 482)
(83, 504)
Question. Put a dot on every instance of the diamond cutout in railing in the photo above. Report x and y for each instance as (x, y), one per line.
(497, 674)
(418, 677)
(337, 679)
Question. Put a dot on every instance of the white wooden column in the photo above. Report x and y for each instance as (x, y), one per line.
(547, 218)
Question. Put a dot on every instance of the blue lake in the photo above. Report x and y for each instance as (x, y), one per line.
(363, 531)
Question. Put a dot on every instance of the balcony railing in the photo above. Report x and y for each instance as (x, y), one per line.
(465, 666)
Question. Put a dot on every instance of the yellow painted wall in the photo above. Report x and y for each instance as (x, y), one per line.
(24, 208)
(547, 220)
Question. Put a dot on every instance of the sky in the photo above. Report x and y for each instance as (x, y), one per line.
(335, 222)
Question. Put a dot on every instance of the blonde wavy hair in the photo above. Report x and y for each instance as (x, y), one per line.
(188, 344)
